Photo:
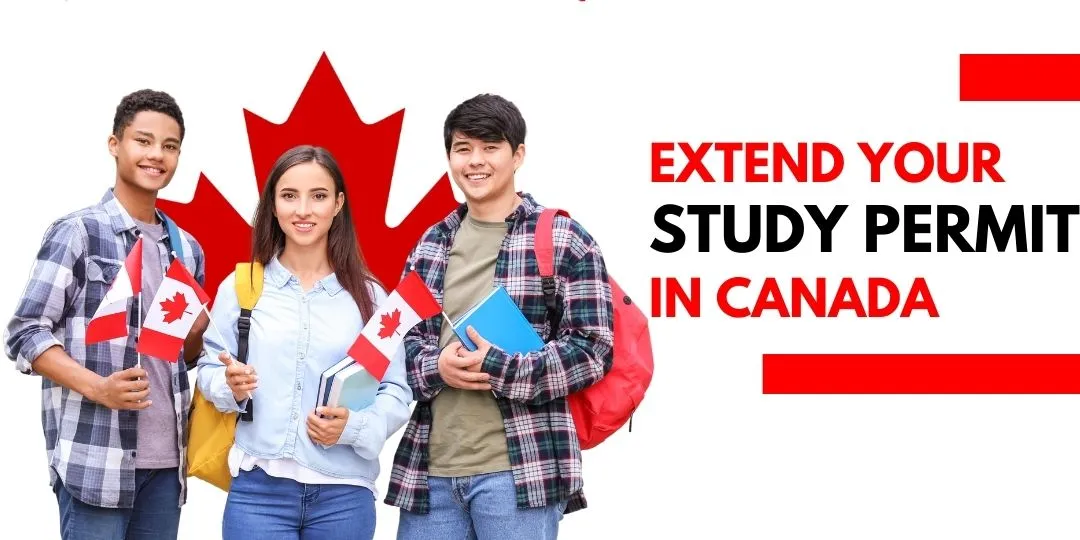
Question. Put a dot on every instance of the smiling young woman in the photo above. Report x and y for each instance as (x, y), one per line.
(317, 295)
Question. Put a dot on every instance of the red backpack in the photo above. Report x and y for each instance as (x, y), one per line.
(604, 407)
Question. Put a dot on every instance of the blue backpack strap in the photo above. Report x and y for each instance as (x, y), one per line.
(176, 243)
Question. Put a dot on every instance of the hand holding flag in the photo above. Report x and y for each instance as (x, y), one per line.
(241, 378)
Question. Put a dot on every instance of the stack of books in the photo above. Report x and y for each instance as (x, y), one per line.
(347, 384)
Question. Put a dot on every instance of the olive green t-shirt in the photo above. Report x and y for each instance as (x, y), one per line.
(467, 433)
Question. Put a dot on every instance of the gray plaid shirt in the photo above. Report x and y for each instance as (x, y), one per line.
(91, 448)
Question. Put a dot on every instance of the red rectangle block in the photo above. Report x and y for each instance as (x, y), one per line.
(1020, 77)
(920, 373)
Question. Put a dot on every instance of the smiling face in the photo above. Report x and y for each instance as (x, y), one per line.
(147, 152)
(305, 204)
(484, 170)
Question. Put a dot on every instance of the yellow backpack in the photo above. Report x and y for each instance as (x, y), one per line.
(210, 431)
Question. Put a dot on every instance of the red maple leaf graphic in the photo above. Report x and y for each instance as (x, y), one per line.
(390, 323)
(323, 116)
(175, 307)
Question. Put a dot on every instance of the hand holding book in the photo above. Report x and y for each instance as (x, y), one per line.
(497, 321)
(482, 345)
(326, 424)
(460, 368)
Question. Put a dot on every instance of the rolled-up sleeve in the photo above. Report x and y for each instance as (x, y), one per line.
(47, 296)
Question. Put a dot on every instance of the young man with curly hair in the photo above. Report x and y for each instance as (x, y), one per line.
(115, 433)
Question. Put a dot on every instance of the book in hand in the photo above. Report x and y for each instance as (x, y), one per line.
(347, 384)
(499, 320)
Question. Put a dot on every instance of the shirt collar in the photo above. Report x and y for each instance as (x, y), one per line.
(119, 217)
(527, 208)
(280, 277)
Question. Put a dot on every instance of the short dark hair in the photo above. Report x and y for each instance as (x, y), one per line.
(145, 100)
(487, 117)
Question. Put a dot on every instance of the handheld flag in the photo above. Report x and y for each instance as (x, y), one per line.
(408, 304)
(110, 318)
(172, 313)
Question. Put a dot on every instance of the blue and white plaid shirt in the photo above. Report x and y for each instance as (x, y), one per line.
(91, 448)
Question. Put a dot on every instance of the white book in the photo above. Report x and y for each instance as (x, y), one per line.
(353, 388)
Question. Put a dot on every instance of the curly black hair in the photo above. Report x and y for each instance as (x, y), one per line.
(145, 100)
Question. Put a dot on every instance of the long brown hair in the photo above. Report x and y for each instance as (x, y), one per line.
(343, 251)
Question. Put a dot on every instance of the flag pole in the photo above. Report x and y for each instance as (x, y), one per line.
(139, 315)
(221, 337)
(138, 357)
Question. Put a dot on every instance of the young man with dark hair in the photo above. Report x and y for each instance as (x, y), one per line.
(491, 450)
(115, 433)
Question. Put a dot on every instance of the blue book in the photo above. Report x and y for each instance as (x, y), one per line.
(499, 320)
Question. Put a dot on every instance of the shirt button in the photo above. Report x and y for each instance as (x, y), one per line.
(297, 386)
(294, 416)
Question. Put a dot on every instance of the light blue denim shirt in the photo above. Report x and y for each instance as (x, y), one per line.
(294, 336)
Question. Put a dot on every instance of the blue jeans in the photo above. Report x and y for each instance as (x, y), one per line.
(264, 507)
(480, 507)
(155, 515)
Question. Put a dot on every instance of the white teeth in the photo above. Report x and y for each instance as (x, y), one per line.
(305, 225)
(477, 176)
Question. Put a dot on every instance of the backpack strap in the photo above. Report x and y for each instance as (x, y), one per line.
(176, 243)
(248, 284)
(543, 246)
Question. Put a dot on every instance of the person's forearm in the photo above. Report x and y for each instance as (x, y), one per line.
(58, 367)
(193, 346)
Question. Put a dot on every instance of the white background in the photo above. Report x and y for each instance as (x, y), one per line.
(598, 82)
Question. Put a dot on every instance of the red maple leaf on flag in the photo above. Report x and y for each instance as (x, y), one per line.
(390, 323)
(175, 307)
(323, 116)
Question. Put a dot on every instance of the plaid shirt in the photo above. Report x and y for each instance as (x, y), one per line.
(91, 448)
(531, 389)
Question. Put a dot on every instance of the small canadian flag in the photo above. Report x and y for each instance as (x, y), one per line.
(408, 304)
(110, 318)
(172, 313)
